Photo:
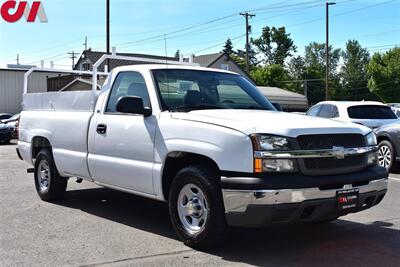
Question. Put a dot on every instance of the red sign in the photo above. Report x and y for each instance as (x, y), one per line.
(12, 11)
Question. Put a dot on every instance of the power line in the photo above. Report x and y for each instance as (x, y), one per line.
(219, 44)
(366, 35)
(161, 36)
(340, 14)
(45, 50)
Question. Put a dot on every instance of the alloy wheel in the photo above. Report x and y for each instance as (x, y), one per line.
(384, 156)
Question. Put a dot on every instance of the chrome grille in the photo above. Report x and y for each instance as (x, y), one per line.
(327, 166)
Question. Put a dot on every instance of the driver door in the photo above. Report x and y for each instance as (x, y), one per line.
(124, 143)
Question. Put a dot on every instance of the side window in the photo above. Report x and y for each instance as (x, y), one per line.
(335, 112)
(326, 111)
(128, 84)
(313, 112)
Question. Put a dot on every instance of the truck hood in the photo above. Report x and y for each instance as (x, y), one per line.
(270, 122)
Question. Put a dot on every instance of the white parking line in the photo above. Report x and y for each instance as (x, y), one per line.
(395, 179)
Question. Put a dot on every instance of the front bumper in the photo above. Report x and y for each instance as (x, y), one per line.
(254, 207)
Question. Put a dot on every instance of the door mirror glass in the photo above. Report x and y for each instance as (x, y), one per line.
(132, 105)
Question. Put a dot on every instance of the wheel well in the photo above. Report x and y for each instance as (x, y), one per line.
(178, 160)
(38, 143)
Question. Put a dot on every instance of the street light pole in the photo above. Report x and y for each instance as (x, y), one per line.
(327, 49)
(108, 32)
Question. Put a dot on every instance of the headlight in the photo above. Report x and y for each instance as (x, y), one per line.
(272, 142)
(274, 165)
(371, 139)
(269, 142)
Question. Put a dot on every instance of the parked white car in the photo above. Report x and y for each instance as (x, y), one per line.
(215, 149)
(368, 113)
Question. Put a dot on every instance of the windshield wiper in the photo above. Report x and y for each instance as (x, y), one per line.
(198, 107)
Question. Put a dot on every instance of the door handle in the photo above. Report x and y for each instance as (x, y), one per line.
(101, 129)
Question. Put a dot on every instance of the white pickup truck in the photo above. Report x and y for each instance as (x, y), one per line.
(207, 142)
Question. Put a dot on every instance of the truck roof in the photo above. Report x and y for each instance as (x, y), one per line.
(142, 67)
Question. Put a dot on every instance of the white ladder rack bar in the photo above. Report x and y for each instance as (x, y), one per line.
(138, 59)
(29, 72)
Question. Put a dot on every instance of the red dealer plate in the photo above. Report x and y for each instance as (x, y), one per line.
(347, 199)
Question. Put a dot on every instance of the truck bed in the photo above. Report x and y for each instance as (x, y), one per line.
(63, 118)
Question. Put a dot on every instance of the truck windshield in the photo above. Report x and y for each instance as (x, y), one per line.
(371, 112)
(186, 90)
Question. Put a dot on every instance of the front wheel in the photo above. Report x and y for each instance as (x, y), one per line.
(196, 207)
(50, 185)
(386, 154)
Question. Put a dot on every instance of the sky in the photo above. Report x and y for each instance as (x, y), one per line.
(193, 27)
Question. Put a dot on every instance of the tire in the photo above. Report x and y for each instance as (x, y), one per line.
(386, 154)
(204, 207)
(50, 185)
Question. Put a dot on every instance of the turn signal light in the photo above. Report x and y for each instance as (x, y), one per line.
(258, 166)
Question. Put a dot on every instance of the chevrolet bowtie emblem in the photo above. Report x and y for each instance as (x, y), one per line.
(338, 152)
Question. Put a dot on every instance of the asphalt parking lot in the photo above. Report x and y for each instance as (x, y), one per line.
(97, 226)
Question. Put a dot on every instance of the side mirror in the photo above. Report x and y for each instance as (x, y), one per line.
(277, 106)
(132, 105)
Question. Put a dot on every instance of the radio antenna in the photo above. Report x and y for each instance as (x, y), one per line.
(166, 51)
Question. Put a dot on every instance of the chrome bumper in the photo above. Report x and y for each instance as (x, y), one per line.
(239, 200)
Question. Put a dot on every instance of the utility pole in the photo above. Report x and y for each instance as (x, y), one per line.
(73, 56)
(327, 49)
(17, 59)
(108, 31)
(85, 44)
(248, 29)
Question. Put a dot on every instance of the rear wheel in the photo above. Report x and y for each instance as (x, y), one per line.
(386, 154)
(196, 207)
(50, 185)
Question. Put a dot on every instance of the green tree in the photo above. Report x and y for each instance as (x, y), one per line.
(269, 75)
(275, 45)
(240, 58)
(314, 57)
(315, 62)
(296, 69)
(354, 77)
(384, 71)
(228, 47)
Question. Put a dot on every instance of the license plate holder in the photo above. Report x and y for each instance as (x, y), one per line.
(347, 199)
